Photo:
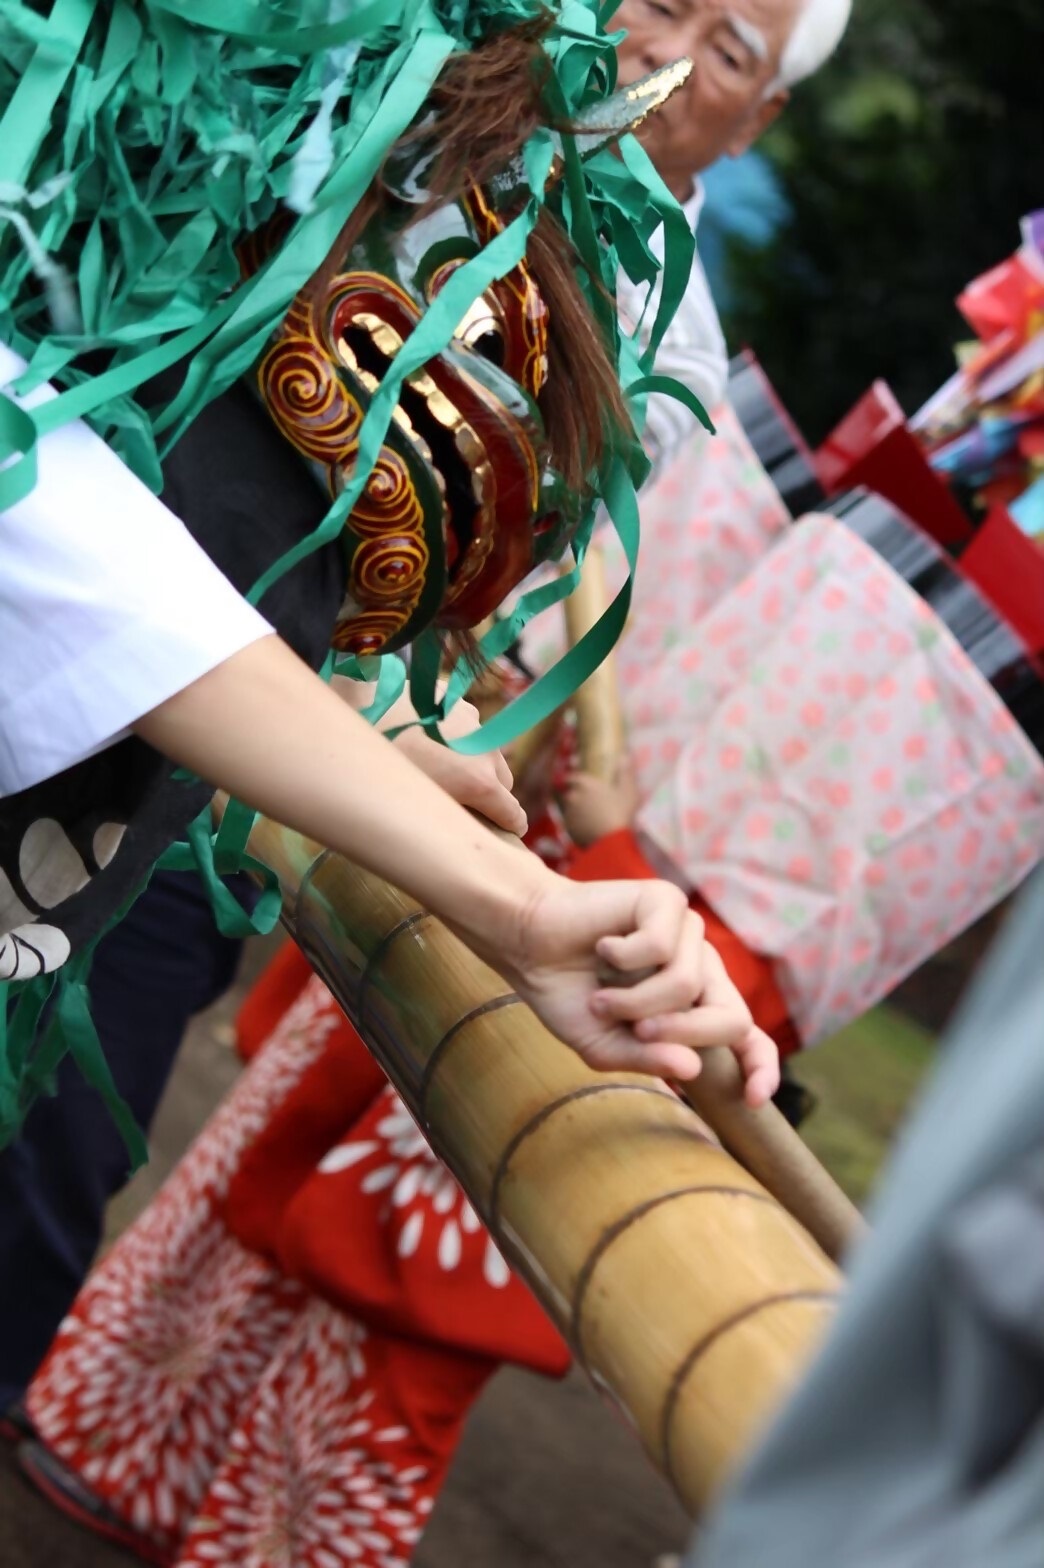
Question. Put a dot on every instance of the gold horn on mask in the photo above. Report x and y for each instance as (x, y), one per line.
(601, 124)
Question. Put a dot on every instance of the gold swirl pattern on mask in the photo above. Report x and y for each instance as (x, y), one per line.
(530, 315)
(535, 369)
(518, 297)
(368, 631)
(308, 400)
(488, 222)
(441, 276)
(389, 502)
(386, 570)
(353, 295)
(389, 567)
(299, 320)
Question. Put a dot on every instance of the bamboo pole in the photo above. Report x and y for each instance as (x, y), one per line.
(687, 1293)
(599, 721)
(532, 744)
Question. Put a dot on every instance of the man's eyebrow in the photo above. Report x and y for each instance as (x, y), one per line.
(749, 35)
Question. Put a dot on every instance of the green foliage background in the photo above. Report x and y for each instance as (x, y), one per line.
(907, 162)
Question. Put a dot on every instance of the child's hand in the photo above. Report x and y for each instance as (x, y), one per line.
(483, 784)
(656, 1026)
(593, 808)
(758, 1055)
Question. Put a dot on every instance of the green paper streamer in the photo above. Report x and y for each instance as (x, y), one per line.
(138, 140)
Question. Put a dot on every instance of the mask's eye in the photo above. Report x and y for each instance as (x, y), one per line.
(482, 329)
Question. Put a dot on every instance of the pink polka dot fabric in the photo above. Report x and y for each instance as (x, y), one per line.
(705, 522)
(832, 773)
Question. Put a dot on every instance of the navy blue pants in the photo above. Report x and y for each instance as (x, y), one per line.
(164, 963)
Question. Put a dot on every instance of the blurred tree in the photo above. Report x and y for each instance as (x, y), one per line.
(907, 164)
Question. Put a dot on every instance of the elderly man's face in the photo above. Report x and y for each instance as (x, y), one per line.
(735, 48)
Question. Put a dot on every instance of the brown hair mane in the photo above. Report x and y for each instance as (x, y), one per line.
(485, 106)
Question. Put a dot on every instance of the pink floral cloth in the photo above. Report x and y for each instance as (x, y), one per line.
(832, 773)
(705, 523)
(811, 746)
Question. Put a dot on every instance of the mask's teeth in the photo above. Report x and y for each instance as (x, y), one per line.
(473, 452)
(438, 404)
(400, 418)
(454, 451)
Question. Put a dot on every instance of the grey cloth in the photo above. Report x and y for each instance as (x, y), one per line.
(917, 1440)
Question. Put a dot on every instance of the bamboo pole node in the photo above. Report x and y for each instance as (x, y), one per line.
(481, 1010)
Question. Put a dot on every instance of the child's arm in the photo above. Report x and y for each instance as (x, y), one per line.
(266, 729)
(481, 783)
(593, 808)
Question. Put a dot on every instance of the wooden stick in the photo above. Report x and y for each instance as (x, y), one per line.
(599, 720)
(686, 1291)
(765, 1143)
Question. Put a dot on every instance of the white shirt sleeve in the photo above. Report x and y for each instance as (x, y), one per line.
(692, 351)
(107, 605)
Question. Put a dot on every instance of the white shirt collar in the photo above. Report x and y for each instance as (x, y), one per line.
(693, 203)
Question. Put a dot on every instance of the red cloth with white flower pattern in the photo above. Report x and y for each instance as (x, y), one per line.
(235, 1414)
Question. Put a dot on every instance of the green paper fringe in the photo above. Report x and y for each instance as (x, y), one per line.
(139, 139)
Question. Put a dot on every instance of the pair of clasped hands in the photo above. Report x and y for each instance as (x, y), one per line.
(652, 1027)
(263, 727)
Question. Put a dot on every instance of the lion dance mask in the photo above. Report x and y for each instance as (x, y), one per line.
(465, 498)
